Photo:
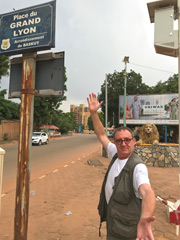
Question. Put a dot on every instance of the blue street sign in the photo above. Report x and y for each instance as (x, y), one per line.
(79, 128)
(28, 29)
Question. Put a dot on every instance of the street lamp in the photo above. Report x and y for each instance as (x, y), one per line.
(126, 60)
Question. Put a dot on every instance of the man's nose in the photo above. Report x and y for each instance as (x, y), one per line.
(123, 143)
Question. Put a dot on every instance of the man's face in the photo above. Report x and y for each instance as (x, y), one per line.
(126, 148)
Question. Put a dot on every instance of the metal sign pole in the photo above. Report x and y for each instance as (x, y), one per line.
(24, 149)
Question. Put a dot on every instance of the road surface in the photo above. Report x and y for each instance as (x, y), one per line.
(46, 158)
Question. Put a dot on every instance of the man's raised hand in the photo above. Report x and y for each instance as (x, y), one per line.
(93, 103)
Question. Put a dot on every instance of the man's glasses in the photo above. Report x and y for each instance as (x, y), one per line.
(126, 140)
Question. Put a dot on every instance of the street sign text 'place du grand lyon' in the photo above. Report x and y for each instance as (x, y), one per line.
(28, 29)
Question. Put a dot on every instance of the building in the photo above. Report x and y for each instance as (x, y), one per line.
(81, 114)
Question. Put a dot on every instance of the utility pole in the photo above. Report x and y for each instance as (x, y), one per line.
(126, 60)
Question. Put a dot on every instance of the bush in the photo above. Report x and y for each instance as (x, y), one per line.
(6, 136)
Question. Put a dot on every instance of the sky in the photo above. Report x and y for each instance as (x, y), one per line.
(96, 35)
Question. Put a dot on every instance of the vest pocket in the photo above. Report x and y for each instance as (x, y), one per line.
(123, 193)
(123, 231)
(123, 228)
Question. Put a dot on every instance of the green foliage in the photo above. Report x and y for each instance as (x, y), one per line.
(169, 86)
(90, 122)
(2, 94)
(51, 116)
(8, 110)
(115, 87)
(67, 122)
(4, 66)
(45, 110)
(6, 136)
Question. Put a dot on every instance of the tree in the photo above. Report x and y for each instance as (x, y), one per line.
(45, 107)
(90, 122)
(8, 110)
(115, 87)
(67, 122)
(169, 86)
(4, 66)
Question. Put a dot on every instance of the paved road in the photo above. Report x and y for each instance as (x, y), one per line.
(45, 158)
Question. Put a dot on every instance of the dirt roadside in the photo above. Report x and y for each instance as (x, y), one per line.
(63, 203)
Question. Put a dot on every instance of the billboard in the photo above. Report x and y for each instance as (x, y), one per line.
(157, 109)
(30, 29)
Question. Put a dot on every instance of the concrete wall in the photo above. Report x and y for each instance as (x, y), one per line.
(9, 129)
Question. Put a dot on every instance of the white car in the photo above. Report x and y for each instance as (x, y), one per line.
(39, 138)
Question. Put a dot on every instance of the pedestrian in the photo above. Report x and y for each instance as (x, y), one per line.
(127, 201)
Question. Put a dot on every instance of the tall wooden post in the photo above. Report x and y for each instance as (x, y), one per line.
(24, 149)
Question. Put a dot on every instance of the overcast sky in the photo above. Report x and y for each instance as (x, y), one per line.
(96, 35)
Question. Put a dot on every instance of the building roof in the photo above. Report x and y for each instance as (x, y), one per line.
(49, 127)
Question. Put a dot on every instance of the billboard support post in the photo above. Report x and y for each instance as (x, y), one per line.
(165, 127)
(126, 60)
(24, 147)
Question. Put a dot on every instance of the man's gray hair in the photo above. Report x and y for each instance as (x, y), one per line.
(123, 128)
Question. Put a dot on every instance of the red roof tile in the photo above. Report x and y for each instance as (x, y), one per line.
(49, 127)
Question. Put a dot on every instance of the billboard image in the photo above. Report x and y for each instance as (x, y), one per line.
(155, 108)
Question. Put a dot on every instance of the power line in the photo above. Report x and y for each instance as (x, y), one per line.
(151, 68)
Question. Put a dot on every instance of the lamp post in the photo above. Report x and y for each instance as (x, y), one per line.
(126, 60)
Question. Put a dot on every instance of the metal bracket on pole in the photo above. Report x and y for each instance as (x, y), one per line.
(29, 91)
